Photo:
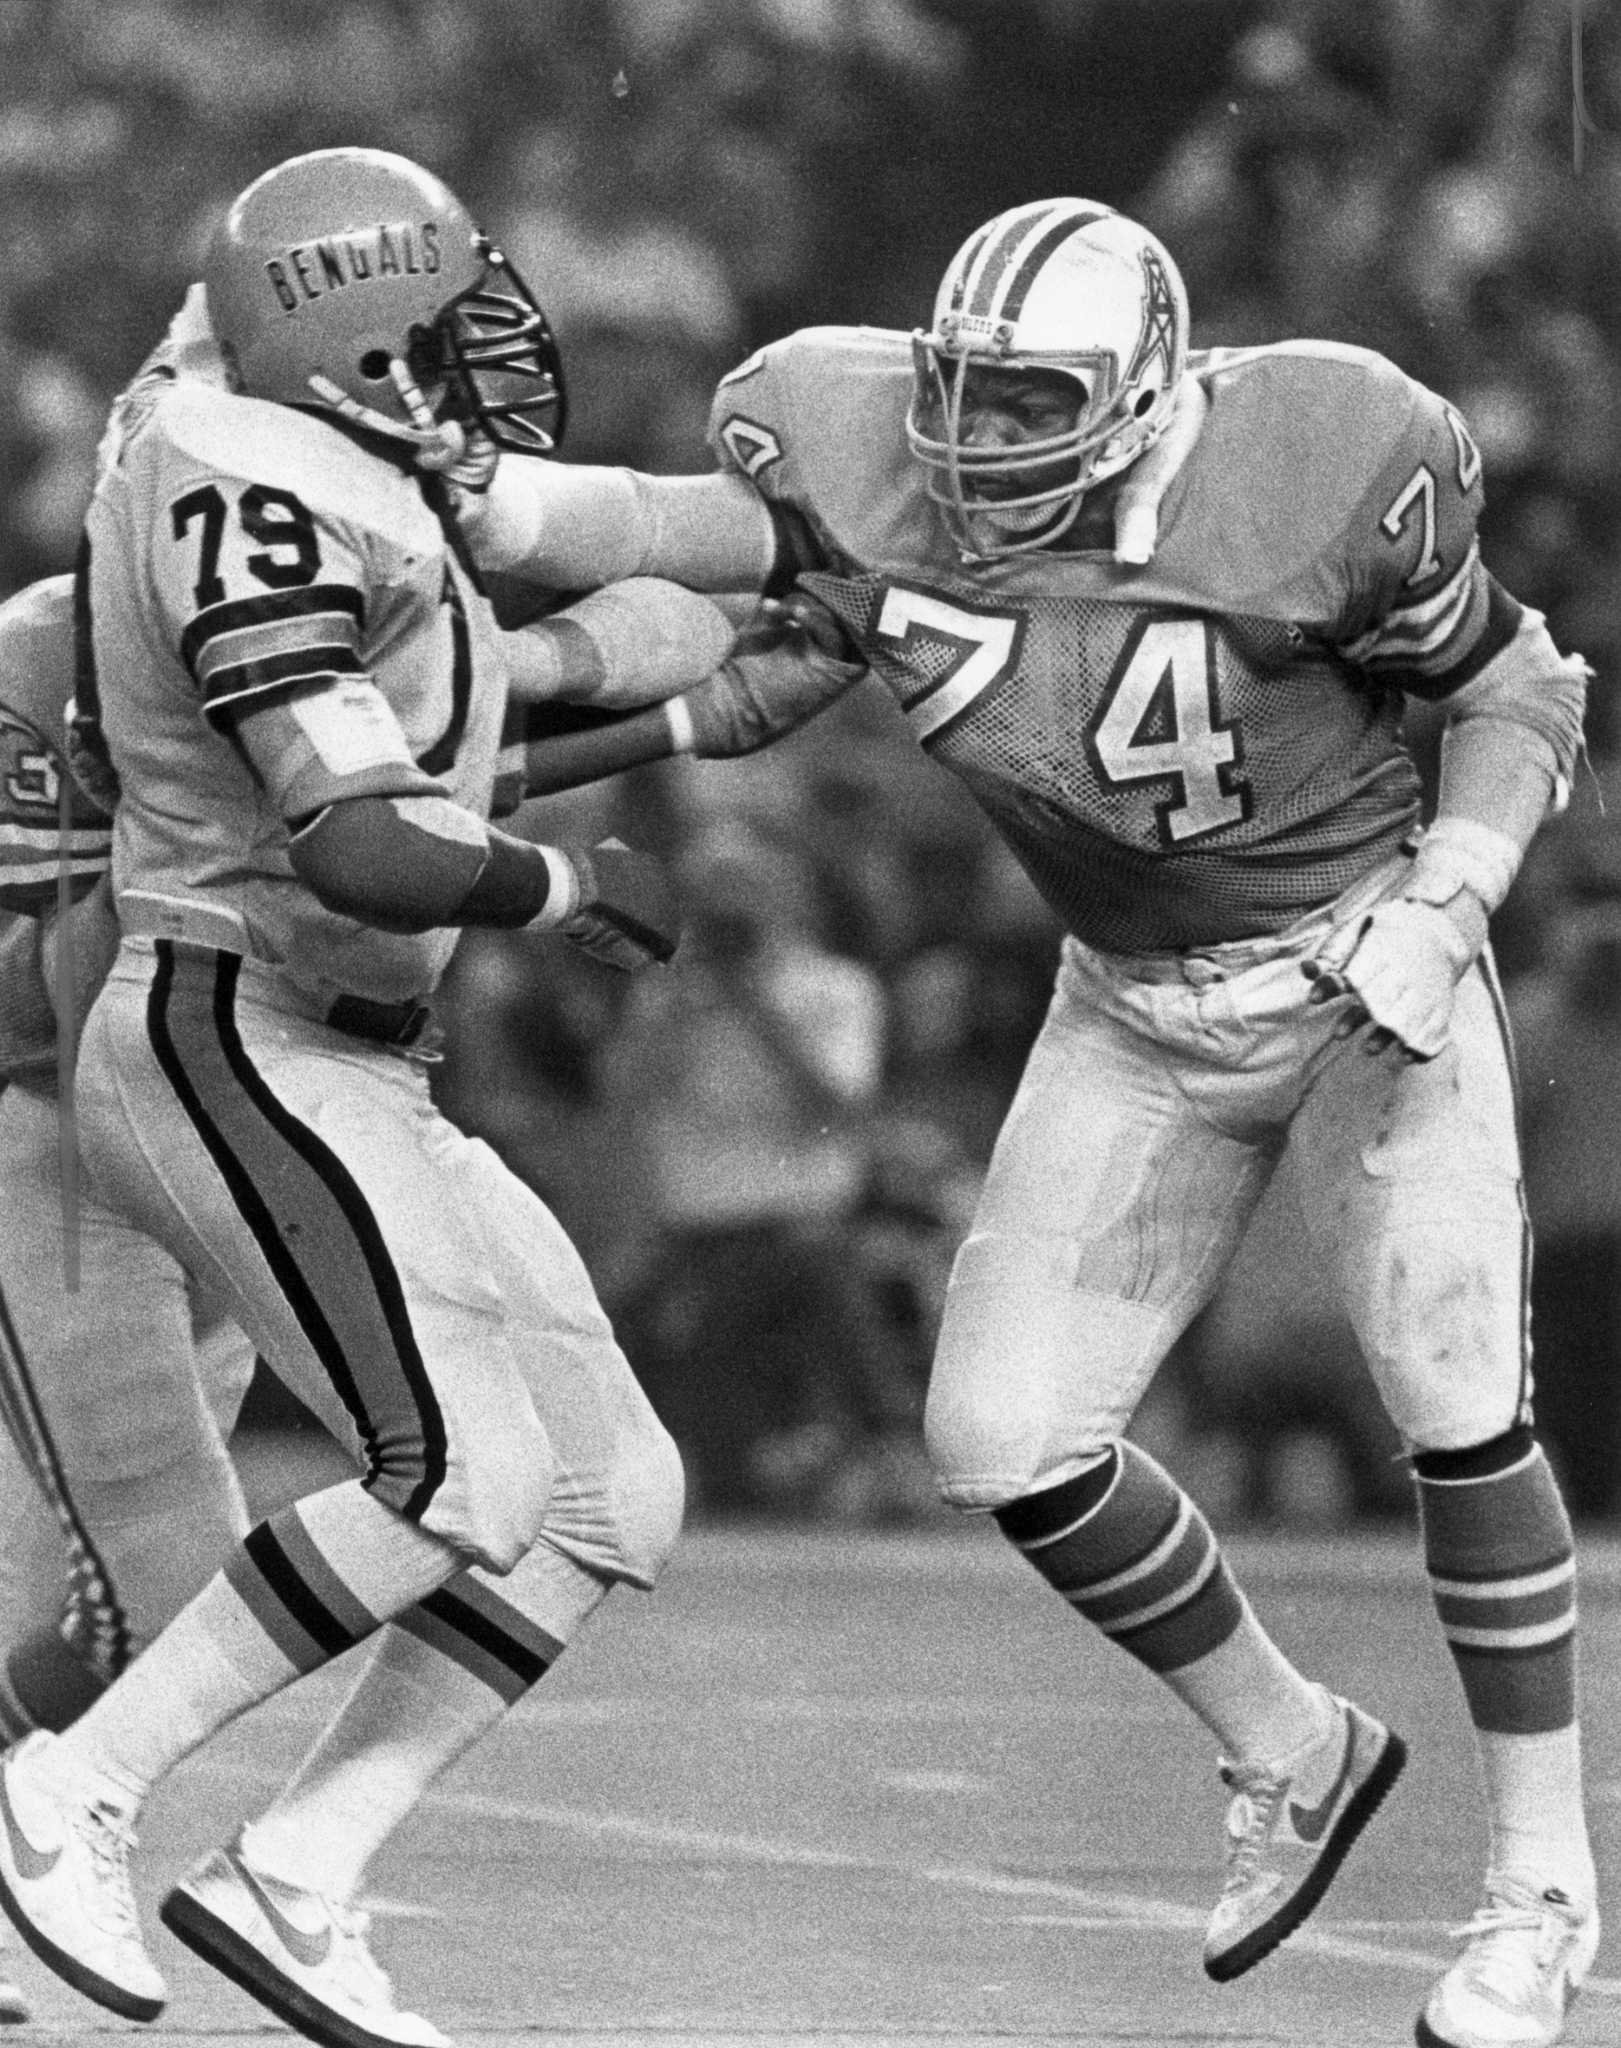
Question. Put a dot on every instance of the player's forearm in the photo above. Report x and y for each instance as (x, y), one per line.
(557, 755)
(635, 642)
(1513, 731)
(1508, 749)
(414, 864)
(790, 662)
(1496, 773)
(577, 527)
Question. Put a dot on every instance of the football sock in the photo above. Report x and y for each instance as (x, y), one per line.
(1501, 1561)
(161, 1535)
(440, 1678)
(278, 1609)
(1128, 1549)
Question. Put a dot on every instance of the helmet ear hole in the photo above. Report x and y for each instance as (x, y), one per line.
(374, 365)
(1146, 401)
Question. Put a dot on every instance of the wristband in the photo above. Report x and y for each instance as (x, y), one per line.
(1460, 853)
(520, 884)
(683, 733)
(563, 896)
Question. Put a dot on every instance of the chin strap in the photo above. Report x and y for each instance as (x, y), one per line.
(444, 447)
(1136, 509)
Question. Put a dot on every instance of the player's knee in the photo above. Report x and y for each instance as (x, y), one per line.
(985, 1451)
(1451, 1410)
(649, 1497)
(494, 1500)
(1031, 1370)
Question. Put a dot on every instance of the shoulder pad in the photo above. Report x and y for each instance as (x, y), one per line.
(1320, 396)
(254, 441)
(1299, 462)
(824, 369)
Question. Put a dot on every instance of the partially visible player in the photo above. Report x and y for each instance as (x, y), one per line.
(116, 1497)
(114, 1461)
(300, 693)
(1161, 618)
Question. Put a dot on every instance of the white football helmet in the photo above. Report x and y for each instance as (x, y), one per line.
(1059, 284)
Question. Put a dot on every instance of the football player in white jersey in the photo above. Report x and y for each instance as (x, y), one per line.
(1161, 616)
(293, 683)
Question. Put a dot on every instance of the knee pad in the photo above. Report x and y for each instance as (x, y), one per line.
(648, 1494)
(1033, 1376)
(493, 1502)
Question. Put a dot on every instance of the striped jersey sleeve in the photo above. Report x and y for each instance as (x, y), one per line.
(47, 823)
(33, 845)
(1437, 614)
(246, 653)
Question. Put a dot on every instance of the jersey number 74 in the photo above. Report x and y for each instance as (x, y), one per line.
(1158, 719)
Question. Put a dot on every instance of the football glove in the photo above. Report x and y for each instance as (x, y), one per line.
(1400, 964)
(789, 662)
(624, 911)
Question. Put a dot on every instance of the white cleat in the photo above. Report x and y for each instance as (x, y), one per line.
(64, 1882)
(302, 1956)
(1283, 1851)
(1525, 1954)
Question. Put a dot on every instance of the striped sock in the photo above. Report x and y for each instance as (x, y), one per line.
(441, 1677)
(1128, 1549)
(1501, 1559)
(278, 1609)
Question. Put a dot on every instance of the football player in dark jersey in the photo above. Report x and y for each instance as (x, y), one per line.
(1162, 615)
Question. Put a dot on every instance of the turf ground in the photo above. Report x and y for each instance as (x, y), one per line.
(881, 1791)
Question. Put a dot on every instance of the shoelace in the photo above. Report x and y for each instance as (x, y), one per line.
(1249, 1821)
(110, 1839)
(1501, 1966)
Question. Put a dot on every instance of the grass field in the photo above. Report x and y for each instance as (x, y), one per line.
(875, 1790)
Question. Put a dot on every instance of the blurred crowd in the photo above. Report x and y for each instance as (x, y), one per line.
(768, 1155)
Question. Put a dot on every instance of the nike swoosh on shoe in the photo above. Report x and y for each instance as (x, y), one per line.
(32, 1864)
(1309, 1822)
(311, 1950)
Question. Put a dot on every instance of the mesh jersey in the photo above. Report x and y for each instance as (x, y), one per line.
(36, 681)
(244, 557)
(1197, 750)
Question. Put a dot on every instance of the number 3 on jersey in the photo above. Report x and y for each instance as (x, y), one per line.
(1160, 719)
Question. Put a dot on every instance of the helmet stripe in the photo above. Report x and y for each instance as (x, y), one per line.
(1030, 268)
(965, 266)
(1006, 240)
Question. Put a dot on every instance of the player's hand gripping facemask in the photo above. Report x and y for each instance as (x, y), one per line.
(355, 281)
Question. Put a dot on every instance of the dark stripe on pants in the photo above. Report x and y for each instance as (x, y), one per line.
(326, 1252)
